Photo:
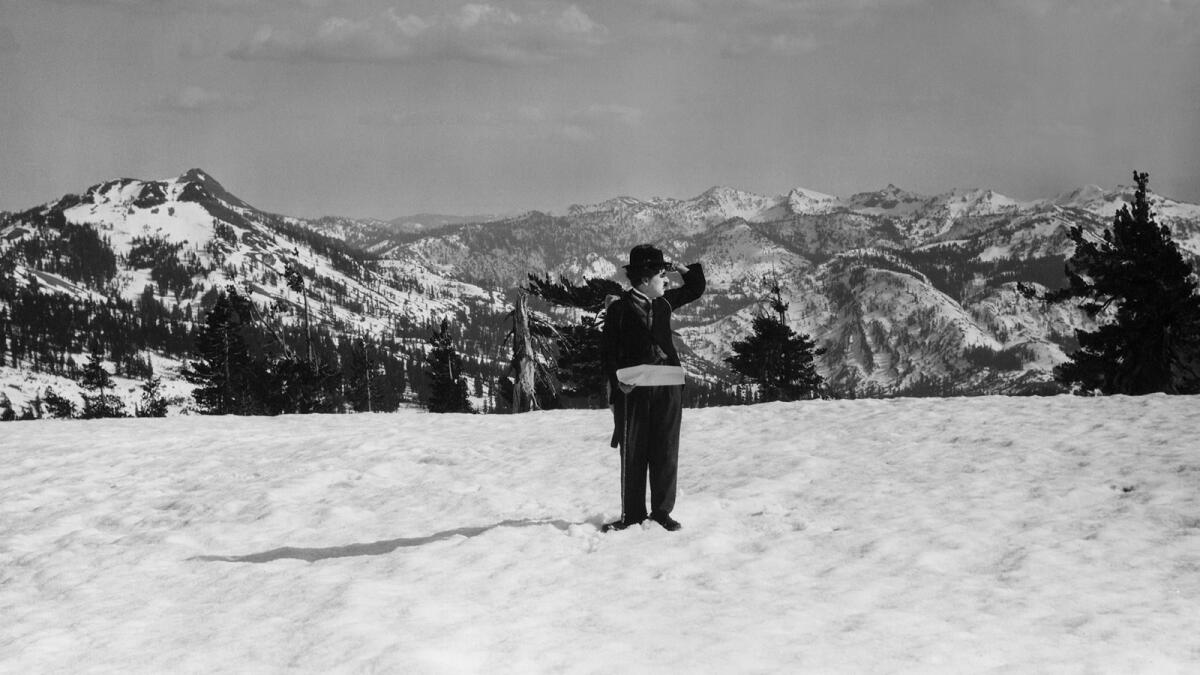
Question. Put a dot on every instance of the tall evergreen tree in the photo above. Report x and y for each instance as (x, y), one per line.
(365, 378)
(776, 358)
(3, 334)
(373, 379)
(95, 378)
(1135, 281)
(579, 368)
(223, 372)
(444, 374)
(395, 376)
(295, 281)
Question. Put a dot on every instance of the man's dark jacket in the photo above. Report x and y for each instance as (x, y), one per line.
(638, 332)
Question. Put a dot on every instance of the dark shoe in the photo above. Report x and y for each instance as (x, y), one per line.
(619, 525)
(668, 523)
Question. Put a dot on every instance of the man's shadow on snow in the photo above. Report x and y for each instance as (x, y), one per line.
(383, 547)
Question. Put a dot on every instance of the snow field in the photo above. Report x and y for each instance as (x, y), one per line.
(910, 535)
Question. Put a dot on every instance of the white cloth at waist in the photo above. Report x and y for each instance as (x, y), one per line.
(650, 376)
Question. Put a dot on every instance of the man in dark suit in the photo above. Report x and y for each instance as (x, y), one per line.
(645, 383)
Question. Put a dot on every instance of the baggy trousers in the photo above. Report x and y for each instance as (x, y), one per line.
(650, 444)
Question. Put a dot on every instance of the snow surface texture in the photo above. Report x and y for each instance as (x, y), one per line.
(908, 535)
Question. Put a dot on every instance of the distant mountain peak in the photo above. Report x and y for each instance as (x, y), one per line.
(723, 195)
(197, 175)
(803, 200)
(961, 202)
(1082, 196)
(198, 184)
(720, 203)
(622, 203)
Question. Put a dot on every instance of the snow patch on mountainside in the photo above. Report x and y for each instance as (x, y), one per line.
(1038, 236)
(178, 222)
(26, 388)
(960, 203)
(737, 258)
(591, 266)
(717, 205)
(890, 328)
(714, 206)
(1106, 203)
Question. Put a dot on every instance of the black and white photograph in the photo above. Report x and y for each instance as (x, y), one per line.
(599, 336)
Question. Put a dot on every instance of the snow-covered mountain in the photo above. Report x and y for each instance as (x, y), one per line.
(145, 256)
(907, 292)
(245, 246)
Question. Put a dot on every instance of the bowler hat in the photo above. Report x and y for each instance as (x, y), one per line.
(647, 257)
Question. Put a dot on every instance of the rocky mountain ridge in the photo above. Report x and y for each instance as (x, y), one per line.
(909, 294)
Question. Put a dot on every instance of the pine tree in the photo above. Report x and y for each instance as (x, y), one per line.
(95, 378)
(395, 379)
(365, 378)
(3, 334)
(293, 385)
(775, 357)
(444, 374)
(152, 404)
(1137, 283)
(295, 281)
(223, 372)
(579, 367)
(578, 362)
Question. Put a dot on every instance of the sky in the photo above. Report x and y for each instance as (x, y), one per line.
(386, 108)
(969, 535)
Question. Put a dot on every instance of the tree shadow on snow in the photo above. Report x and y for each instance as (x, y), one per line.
(388, 546)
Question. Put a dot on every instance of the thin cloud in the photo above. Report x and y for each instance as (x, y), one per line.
(769, 27)
(481, 33)
(336, 39)
(722, 12)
